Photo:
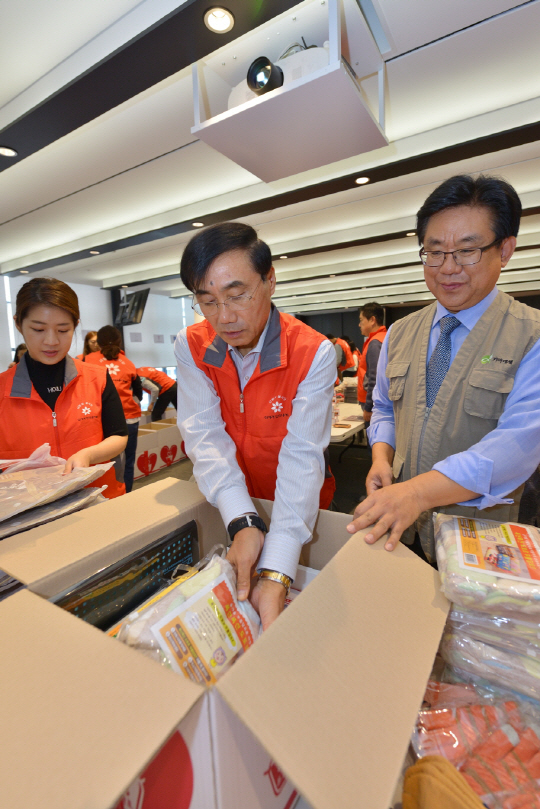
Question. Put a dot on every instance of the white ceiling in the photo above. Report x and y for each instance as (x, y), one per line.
(455, 72)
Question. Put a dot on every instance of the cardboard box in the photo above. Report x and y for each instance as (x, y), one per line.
(322, 705)
(159, 444)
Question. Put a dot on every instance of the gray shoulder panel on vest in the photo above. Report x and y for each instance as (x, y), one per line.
(216, 352)
(22, 385)
(271, 350)
(70, 371)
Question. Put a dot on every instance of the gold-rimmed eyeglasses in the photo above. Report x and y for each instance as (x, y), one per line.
(236, 303)
(463, 257)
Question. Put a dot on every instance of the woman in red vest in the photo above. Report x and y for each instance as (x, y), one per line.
(126, 381)
(167, 387)
(90, 345)
(48, 397)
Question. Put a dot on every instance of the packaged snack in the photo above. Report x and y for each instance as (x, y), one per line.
(196, 626)
(489, 566)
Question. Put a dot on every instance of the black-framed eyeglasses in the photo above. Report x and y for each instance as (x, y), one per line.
(463, 257)
(236, 303)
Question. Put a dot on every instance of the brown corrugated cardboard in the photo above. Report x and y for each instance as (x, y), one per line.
(81, 713)
(328, 696)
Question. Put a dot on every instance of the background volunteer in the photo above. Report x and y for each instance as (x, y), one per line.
(374, 332)
(230, 271)
(471, 443)
(163, 390)
(126, 381)
(50, 397)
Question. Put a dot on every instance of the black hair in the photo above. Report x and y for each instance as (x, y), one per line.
(215, 240)
(373, 309)
(498, 196)
(109, 342)
(329, 336)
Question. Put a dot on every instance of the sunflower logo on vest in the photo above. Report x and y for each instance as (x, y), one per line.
(113, 369)
(85, 409)
(277, 404)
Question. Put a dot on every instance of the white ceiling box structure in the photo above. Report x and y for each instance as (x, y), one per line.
(101, 112)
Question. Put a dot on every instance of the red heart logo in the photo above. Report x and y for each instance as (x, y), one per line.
(146, 462)
(168, 454)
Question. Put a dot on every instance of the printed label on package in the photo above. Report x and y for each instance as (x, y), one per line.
(205, 633)
(501, 549)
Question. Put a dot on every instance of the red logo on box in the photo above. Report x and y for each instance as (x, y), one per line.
(168, 454)
(167, 782)
(277, 779)
(146, 462)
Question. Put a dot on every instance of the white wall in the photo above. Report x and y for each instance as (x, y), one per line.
(94, 305)
(163, 318)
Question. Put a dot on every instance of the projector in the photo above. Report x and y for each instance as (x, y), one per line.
(294, 66)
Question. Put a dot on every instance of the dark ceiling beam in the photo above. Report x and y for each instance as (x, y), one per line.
(440, 157)
(173, 43)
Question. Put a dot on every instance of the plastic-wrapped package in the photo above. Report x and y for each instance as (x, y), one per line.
(196, 626)
(514, 671)
(509, 634)
(52, 511)
(25, 485)
(489, 566)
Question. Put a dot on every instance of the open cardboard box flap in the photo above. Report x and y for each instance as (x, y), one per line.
(333, 688)
(81, 713)
(57, 555)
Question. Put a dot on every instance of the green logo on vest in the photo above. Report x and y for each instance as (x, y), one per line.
(486, 358)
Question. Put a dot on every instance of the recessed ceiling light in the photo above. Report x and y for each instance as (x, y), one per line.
(124, 286)
(332, 276)
(283, 256)
(25, 272)
(410, 233)
(219, 20)
(361, 180)
(197, 224)
(6, 151)
(94, 252)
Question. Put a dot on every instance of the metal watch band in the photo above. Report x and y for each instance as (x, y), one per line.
(273, 575)
(247, 521)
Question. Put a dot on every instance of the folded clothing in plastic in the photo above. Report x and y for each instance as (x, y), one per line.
(196, 626)
(489, 566)
(40, 479)
(509, 634)
(517, 672)
(52, 511)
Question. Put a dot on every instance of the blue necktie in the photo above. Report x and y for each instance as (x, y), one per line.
(439, 362)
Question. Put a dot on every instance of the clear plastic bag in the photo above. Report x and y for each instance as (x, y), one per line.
(52, 511)
(497, 593)
(26, 485)
(196, 626)
(509, 634)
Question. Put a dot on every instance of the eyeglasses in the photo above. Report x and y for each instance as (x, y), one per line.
(463, 258)
(235, 304)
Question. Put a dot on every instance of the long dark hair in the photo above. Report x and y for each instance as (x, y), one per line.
(86, 348)
(109, 342)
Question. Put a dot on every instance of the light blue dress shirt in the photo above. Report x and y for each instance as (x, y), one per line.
(506, 456)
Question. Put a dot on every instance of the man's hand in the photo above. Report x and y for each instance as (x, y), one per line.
(243, 554)
(268, 598)
(394, 508)
(80, 459)
(379, 476)
(366, 415)
(388, 509)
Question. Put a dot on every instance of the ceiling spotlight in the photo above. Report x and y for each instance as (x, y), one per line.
(124, 286)
(361, 180)
(283, 256)
(6, 151)
(219, 20)
(410, 233)
(94, 252)
(263, 76)
(332, 276)
(197, 224)
(25, 272)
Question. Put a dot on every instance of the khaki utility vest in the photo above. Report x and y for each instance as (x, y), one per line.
(469, 402)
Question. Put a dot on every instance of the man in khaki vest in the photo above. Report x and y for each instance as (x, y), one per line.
(456, 419)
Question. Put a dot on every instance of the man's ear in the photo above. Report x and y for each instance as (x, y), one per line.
(507, 249)
(271, 278)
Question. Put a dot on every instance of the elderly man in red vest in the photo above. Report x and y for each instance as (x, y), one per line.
(374, 332)
(254, 408)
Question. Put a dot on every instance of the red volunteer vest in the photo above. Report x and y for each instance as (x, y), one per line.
(158, 377)
(26, 422)
(122, 372)
(379, 335)
(347, 353)
(257, 419)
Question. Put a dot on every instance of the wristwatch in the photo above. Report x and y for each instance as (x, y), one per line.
(247, 521)
(273, 575)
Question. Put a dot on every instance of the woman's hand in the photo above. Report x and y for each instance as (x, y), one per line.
(82, 458)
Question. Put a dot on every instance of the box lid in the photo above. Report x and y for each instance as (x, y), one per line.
(71, 742)
(73, 541)
(356, 650)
